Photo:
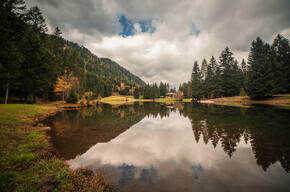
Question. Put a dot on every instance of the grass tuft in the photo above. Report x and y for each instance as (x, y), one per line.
(34, 135)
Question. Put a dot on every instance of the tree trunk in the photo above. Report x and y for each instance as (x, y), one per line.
(7, 90)
(63, 96)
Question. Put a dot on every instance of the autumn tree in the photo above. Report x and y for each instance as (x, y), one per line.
(64, 83)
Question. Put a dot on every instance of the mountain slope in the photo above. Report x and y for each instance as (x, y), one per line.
(103, 70)
(37, 65)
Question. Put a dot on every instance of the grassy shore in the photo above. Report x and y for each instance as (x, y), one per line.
(171, 100)
(121, 100)
(281, 100)
(27, 159)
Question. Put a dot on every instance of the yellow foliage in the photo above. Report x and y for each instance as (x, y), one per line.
(122, 86)
(65, 82)
(180, 94)
(99, 98)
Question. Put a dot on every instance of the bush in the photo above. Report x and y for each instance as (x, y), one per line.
(243, 92)
(88, 102)
(73, 97)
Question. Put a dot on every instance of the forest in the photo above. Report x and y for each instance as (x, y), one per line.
(266, 72)
(37, 65)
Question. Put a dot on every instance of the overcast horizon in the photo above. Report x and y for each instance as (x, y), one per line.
(159, 40)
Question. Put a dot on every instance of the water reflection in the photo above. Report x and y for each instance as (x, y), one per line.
(267, 129)
(180, 147)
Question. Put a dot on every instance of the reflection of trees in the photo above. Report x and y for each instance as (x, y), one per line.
(75, 131)
(266, 128)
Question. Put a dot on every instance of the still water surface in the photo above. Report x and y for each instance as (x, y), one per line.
(182, 147)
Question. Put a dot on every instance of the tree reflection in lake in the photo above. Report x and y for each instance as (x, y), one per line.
(266, 128)
(179, 147)
(75, 131)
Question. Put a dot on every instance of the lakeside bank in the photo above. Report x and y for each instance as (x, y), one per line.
(28, 162)
(281, 100)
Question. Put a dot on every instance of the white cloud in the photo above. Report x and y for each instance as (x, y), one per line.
(168, 53)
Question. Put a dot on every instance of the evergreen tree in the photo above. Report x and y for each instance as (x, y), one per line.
(217, 89)
(244, 66)
(213, 64)
(280, 67)
(73, 97)
(228, 73)
(136, 93)
(147, 92)
(35, 65)
(209, 82)
(11, 58)
(259, 83)
(203, 71)
(108, 90)
(35, 19)
(195, 82)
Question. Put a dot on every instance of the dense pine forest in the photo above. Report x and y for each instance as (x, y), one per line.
(266, 72)
(35, 64)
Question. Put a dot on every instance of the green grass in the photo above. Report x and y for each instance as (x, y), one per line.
(34, 135)
(121, 100)
(166, 100)
(26, 157)
(20, 112)
(186, 100)
(19, 157)
(29, 146)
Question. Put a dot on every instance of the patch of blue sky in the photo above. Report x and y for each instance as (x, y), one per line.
(146, 26)
(128, 26)
(194, 30)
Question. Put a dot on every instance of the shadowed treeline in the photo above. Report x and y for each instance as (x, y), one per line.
(267, 130)
(74, 132)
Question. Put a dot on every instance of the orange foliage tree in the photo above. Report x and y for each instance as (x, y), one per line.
(122, 86)
(64, 83)
(180, 95)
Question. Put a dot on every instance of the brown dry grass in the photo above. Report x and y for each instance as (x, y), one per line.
(245, 101)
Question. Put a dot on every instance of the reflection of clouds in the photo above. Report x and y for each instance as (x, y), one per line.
(162, 155)
(149, 142)
(166, 144)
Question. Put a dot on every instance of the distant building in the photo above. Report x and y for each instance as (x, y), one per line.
(171, 95)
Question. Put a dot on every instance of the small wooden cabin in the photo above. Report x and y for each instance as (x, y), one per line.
(171, 95)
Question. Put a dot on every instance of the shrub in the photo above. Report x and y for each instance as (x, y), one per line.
(73, 97)
(243, 92)
(88, 102)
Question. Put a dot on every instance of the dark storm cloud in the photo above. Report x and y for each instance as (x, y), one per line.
(88, 17)
(239, 22)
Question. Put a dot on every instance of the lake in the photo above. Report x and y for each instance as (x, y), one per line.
(178, 147)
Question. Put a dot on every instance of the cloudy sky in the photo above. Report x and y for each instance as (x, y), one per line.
(158, 40)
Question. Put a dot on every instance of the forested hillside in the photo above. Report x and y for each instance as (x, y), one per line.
(35, 64)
